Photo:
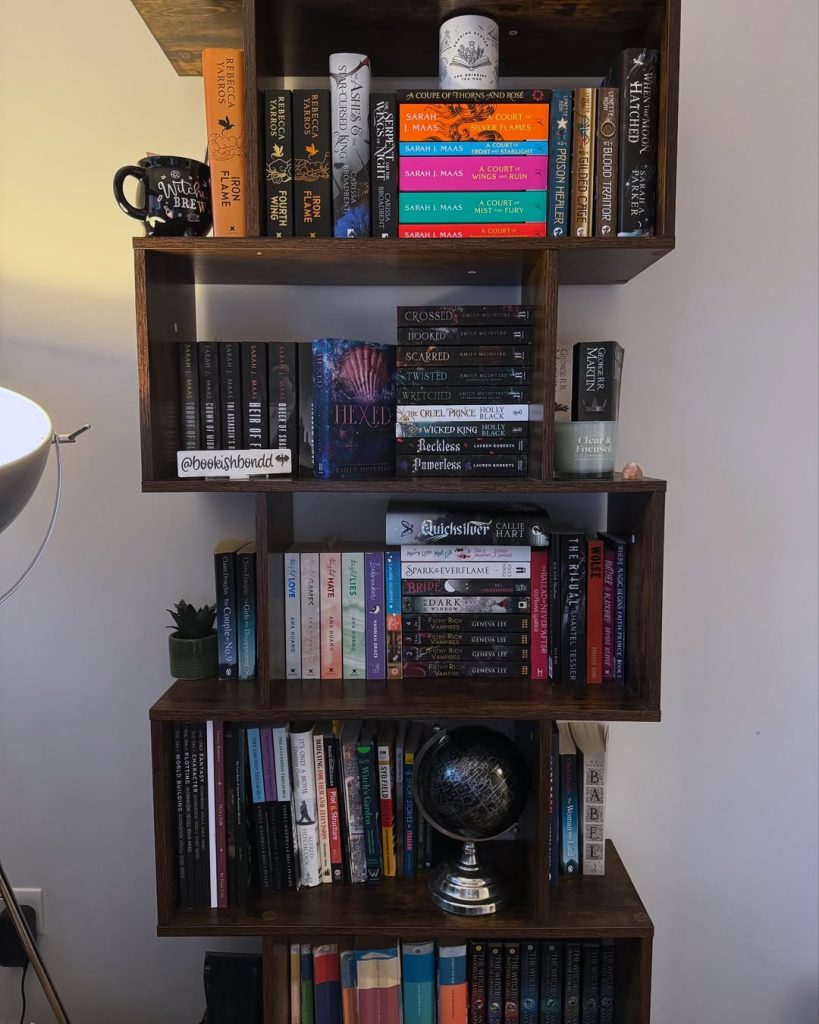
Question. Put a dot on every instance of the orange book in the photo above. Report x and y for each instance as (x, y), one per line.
(448, 122)
(223, 70)
(594, 612)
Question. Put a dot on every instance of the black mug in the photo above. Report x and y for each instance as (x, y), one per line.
(174, 193)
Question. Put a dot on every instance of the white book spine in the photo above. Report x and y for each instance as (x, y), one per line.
(350, 134)
(463, 413)
(465, 570)
(594, 814)
(310, 617)
(281, 754)
(211, 816)
(465, 553)
(292, 615)
(321, 799)
(304, 802)
(354, 655)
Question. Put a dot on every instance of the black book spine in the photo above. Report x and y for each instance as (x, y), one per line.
(571, 989)
(179, 803)
(226, 614)
(278, 163)
(463, 376)
(494, 984)
(209, 419)
(198, 893)
(290, 875)
(306, 413)
(551, 983)
(638, 81)
(463, 355)
(446, 465)
(414, 395)
(262, 848)
(188, 783)
(384, 165)
(554, 805)
(511, 983)
(457, 316)
(529, 979)
(444, 585)
(481, 334)
(491, 655)
(473, 95)
(573, 614)
(463, 622)
(189, 396)
(466, 670)
(204, 817)
(243, 858)
(230, 392)
(607, 955)
(590, 984)
(409, 446)
(597, 368)
(476, 963)
(231, 797)
(335, 803)
(620, 548)
(255, 424)
(485, 431)
(311, 152)
(605, 199)
(464, 639)
(274, 842)
(283, 396)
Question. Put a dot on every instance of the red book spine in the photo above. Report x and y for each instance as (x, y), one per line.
(594, 612)
(609, 560)
(530, 230)
(540, 613)
(221, 822)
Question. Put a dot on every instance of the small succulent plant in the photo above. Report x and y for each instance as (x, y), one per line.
(192, 623)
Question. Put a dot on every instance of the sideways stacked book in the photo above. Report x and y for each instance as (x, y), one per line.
(463, 383)
(235, 572)
(480, 982)
(473, 163)
(466, 588)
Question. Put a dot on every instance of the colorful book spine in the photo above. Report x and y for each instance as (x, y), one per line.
(609, 571)
(453, 991)
(182, 865)
(594, 611)
(409, 832)
(282, 379)
(189, 396)
(310, 616)
(353, 614)
(327, 984)
(392, 608)
(473, 148)
(471, 173)
(230, 394)
(304, 802)
(349, 113)
(220, 889)
(418, 982)
(571, 984)
(481, 587)
(254, 758)
(494, 983)
(573, 619)
(375, 618)
(464, 207)
(607, 968)
(306, 984)
(330, 608)
(551, 983)
(223, 72)
(278, 163)
(356, 861)
(540, 613)
(335, 800)
(246, 601)
(311, 164)
(529, 980)
(560, 162)
(583, 145)
(476, 953)
(605, 199)
(569, 810)
(384, 165)
(638, 80)
(295, 983)
(322, 808)
(268, 763)
(435, 623)
(386, 796)
(533, 230)
(292, 614)
(368, 779)
(255, 424)
(209, 420)
(511, 983)
(226, 608)
(620, 549)
(470, 96)
(464, 355)
(349, 1001)
(438, 122)
(378, 974)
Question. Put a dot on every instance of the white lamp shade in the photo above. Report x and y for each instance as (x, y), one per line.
(25, 437)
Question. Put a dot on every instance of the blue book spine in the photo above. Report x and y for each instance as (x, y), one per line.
(569, 819)
(560, 164)
(472, 207)
(418, 970)
(246, 589)
(254, 759)
(392, 607)
(410, 836)
(226, 625)
(504, 147)
(529, 977)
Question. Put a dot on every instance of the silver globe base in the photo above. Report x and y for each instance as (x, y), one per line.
(464, 886)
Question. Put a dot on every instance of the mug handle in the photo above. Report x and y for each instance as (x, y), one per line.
(130, 171)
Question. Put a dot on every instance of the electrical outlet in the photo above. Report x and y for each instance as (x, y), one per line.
(34, 899)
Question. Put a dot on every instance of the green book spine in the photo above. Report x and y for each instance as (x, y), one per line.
(368, 778)
(354, 655)
(472, 207)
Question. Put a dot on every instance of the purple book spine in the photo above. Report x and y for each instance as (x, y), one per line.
(376, 625)
(268, 764)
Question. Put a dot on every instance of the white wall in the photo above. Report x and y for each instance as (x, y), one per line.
(714, 810)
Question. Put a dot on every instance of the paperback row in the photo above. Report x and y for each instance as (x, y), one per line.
(477, 982)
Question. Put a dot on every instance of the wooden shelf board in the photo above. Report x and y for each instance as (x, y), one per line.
(436, 485)
(206, 699)
(391, 261)
(580, 907)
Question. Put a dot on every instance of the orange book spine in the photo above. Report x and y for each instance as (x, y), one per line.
(443, 122)
(594, 612)
(223, 70)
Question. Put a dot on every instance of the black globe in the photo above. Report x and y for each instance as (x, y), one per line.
(471, 782)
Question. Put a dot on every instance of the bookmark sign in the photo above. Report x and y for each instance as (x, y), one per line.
(235, 464)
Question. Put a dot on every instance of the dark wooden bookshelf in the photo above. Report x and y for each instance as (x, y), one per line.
(545, 40)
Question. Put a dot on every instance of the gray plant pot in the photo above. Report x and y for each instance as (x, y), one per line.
(193, 659)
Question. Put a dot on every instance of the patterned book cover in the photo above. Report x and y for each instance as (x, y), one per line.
(605, 187)
(354, 409)
(349, 1000)
(476, 952)
(418, 977)
(511, 983)
(368, 779)
(292, 614)
(533, 230)
(494, 983)
(392, 604)
(356, 852)
(583, 146)
(472, 173)
(350, 133)
(379, 985)
(465, 207)
(322, 806)
(459, 122)
(223, 73)
(305, 803)
(189, 396)
(246, 606)
(571, 984)
(327, 984)
(384, 165)
(311, 163)
(529, 979)
(637, 77)
(277, 139)
(353, 614)
(560, 161)
(551, 983)
(330, 606)
(472, 147)
(375, 617)
(453, 991)
(230, 394)
(310, 612)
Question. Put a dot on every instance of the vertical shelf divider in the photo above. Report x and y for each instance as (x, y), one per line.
(539, 288)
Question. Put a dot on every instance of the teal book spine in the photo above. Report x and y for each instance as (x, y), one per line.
(254, 759)
(473, 207)
(353, 613)
(418, 970)
(246, 587)
(392, 607)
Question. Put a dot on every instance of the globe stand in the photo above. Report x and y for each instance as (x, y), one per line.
(465, 887)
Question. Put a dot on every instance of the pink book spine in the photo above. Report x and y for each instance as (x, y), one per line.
(330, 612)
(609, 560)
(221, 825)
(540, 614)
(268, 764)
(472, 173)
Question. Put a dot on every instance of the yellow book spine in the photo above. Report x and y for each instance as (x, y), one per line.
(223, 71)
(583, 162)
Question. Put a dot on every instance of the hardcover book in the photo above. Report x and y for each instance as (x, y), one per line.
(484, 97)
(468, 567)
(490, 466)
(569, 801)
(478, 413)
(463, 355)
(230, 395)
(466, 670)
(637, 77)
(224, 557)
(439, 652)
(560, 161)
(476, 953)
(330, 614)
(335, 803)
(223, 72)
(189, 396)
(551, 983)
(478, 587)
(446, 553)
(443, 523)
(573, 614)
(350, 134)
(605, 199)
(463, 638)
(472, 173)
(384, 165)
(609, 569)
(209, 420)
(306, 987)
(444, 122)
(255, 425)
(385, 740)
(349, 1003)
(454, 623)
(278, 162)
(414, 395)
(540, 613)
(282, 376)
(619, 548)
(475, 432)
(596, 375)
(457, 207)
(311, 163)
(583, 146)
(353, 613)
(354, 409)
(418, 970)
(409, 845)
(321, 803)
